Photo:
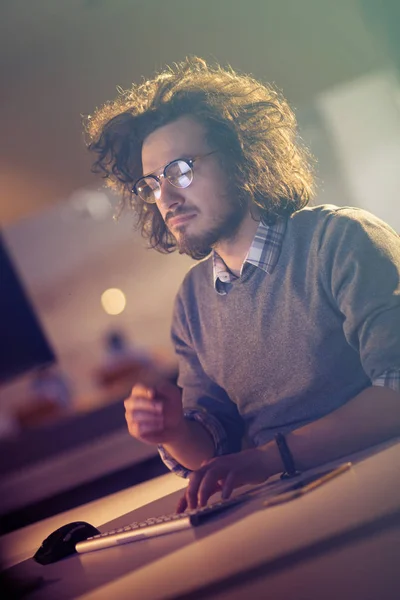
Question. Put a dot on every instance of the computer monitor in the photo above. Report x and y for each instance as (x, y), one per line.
(23, 343)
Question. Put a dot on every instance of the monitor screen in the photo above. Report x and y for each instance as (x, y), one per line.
(23, 344)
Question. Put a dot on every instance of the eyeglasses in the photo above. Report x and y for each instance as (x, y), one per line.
(178, 172)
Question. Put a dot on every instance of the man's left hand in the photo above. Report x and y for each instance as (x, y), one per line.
(225, 473)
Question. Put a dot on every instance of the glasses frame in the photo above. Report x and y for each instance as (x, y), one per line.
(189, 161)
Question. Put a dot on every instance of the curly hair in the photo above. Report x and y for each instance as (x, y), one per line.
(250, 123)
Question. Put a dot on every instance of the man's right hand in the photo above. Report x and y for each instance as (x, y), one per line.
(154, 414)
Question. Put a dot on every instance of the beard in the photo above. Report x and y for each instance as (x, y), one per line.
(227, 225)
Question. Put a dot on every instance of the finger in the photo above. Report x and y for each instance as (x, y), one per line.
(132, 416)
(149, 427)
(182, 504)
(229, 484)
(142, 390)
(143, 423)
(150, 430)
(143, 416)
(151, 406)
(193, 487)
(209, 485)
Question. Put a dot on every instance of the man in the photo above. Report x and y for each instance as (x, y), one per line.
(290, 322)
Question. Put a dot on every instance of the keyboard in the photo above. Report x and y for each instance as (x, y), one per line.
(155, 526)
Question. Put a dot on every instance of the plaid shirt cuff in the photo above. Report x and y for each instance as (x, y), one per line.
(390, 379)
(214, 428)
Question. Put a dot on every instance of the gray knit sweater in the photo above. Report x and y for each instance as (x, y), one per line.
(282, 349)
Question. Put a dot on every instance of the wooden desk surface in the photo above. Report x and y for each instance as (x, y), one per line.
(204, 562)
(20, 545)
(366, 493)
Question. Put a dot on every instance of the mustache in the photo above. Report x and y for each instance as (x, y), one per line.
(178, 213)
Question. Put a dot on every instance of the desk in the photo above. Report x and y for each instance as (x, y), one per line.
(340, 541)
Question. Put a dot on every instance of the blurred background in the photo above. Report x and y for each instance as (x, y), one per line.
(104, 300)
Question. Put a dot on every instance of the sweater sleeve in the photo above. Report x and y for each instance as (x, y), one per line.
(203, 400)
(360, 265)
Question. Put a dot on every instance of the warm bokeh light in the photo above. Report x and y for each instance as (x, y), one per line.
(92, 203)
(113, 301)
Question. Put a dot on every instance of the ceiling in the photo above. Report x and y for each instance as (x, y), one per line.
(59, 60)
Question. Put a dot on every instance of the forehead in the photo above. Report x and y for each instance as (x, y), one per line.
(183, 137)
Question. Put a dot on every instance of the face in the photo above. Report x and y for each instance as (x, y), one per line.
(201, 215)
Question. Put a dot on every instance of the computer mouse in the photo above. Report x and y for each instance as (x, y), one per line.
(61, 542)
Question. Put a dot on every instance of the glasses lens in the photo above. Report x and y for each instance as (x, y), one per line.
(179, 173)
(148, 189)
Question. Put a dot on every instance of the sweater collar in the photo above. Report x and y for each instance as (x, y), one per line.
(263, 253)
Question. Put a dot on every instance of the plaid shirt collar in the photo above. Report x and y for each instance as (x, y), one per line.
(263, 253)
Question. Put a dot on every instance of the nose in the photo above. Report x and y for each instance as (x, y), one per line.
(170, 197)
